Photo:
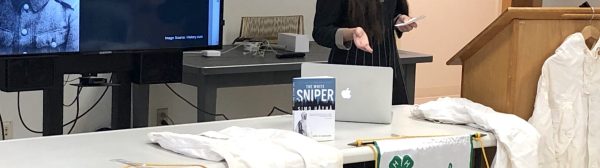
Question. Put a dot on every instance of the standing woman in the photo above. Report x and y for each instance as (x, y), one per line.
(362, 32)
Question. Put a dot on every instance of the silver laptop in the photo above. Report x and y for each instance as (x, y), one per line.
(363, 93)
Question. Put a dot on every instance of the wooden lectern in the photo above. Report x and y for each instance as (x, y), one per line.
(502, 65)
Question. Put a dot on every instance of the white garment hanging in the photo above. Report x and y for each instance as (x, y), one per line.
(567, 106)
(252, 148)
(517, 145)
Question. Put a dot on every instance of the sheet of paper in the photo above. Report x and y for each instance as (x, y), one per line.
(413, 20)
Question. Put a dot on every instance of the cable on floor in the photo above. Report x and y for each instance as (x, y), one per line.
(171, 120)
(68, 80)
(92, 107)
(79, 88)
(74, 121)
(278, 109)
(2, 127)
(72, 102)
(191, 104)
(231, 49)
(21, 117)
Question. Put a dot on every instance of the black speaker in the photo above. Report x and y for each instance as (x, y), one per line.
(26, 74)
(158, 67)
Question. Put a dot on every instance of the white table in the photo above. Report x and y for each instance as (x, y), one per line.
(97, 149)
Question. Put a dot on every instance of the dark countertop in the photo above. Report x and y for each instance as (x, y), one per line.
(235, 61)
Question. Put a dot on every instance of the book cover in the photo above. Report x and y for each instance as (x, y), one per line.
(314, 107)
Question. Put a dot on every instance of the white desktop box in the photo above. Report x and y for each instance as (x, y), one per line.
(294, 42)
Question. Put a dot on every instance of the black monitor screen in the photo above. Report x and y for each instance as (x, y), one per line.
(38, 27)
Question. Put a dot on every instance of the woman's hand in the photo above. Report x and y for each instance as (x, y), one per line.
(361, 40)
(406, 28)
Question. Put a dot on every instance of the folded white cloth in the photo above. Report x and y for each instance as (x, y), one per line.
(252, 148)
(517, 145)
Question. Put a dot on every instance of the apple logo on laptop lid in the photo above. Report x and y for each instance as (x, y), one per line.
(347, 93)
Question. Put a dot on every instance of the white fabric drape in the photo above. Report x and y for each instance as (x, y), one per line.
(252, 148)
(517, 145)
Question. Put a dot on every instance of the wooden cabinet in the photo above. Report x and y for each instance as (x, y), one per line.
(502, 65)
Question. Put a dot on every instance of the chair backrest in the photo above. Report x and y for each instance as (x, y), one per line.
(268, 27)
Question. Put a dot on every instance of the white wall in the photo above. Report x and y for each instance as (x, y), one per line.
(236, 9)
(449, 26)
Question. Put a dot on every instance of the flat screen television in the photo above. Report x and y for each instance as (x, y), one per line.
(55, 27)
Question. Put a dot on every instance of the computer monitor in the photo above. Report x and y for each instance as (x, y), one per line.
(55, 27)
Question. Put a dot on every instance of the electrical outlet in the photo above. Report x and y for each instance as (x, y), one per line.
(8, 133)
(161, 115)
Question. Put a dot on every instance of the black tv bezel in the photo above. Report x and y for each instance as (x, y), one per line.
(136, 51)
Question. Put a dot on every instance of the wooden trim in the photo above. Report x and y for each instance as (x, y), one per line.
(506, 4)
(537, 3)
(520, 3)
(523, 13)
(526, 3)
(581, 16)
(512, 66)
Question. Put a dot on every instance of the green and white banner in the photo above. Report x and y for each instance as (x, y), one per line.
(437, 152)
